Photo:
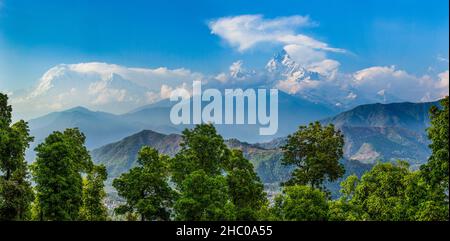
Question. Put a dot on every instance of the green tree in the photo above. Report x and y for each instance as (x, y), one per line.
(315, 151)
(93, 208)
(201, 149)
(145, 187)
(389, 192)
(57, 171)
(204, 198)
(16, 193)
(340, 210)
(423, 201)
(301, 203)
(436, 170)
(380, 192)
(198, 170)
(343, 209)
(245, 187)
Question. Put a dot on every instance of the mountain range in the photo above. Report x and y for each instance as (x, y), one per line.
(375, 132)
(372, 131)
(102, 128)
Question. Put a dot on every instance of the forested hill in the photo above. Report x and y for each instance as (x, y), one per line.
(372, 132)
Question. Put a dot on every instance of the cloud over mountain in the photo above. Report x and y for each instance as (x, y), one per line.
(119, 89)
(100, 86)
(246, 31)
(304, 67)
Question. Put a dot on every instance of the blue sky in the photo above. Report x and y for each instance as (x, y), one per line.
(36, 35)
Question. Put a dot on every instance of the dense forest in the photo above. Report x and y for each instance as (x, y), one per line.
(206, 180)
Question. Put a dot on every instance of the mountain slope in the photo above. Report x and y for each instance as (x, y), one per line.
(120, 156)
(404, 115)
(385, 132)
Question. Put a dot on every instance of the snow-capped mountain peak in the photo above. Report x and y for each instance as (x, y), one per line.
(282, 66)
(281, 62)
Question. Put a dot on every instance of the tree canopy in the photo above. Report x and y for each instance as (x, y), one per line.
(315, 150)
(16, 193)
(57, 171)
(146, 188)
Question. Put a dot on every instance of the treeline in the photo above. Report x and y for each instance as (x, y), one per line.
(206, 180)
(68, 186)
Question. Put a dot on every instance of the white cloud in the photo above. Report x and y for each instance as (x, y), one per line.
(166, 90)
(368, 75)
(303, 40)
(237, 75)
(292, 86)
(327, 68)
(221, 77)
(442, 84)
(245, 31)
(104, 94)
(388, 80)
(238, 72)
(304, 55)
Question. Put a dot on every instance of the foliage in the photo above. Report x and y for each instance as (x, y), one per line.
(436, 170)
(204, 198)
(202, 149)
(16, 193)
(94, 194)
(197, 170)
(245, 188)
(57, 172)
(201, 158)
(389, 192)
(145, 188)
(315, 151)
(301, 203)
(234, 190)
